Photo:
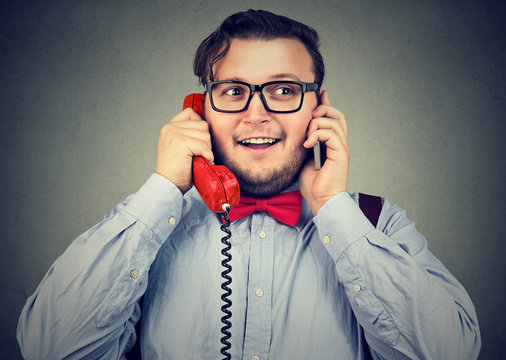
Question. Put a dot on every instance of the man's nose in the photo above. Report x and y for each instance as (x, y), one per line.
(256, 111)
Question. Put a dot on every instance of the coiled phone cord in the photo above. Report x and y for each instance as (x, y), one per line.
(227, 291)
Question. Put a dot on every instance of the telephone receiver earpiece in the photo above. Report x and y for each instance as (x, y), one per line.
(216, 184)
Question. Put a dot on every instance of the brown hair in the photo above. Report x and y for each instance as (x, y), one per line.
(255, 24)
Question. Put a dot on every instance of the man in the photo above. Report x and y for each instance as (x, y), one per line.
(328, 285)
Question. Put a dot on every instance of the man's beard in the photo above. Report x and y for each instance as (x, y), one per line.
(269, 182)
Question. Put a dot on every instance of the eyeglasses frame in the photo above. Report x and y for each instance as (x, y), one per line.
(258, 88)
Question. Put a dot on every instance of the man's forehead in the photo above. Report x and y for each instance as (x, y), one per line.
(265, 60)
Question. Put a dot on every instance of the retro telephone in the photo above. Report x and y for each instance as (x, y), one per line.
(217, 186)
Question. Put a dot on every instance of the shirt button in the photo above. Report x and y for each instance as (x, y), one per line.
(356, 287)
(260, 292)
(172, 221)
(134, 274)
(255, 358)
(262, 235)
(326, 239)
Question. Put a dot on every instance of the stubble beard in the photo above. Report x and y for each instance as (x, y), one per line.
(269, 181)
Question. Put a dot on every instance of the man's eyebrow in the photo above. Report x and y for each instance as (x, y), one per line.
(280, 76)
(286, 76)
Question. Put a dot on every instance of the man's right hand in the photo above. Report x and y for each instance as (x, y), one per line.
(182, 138)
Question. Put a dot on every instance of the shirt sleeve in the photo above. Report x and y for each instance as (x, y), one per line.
(86, 305)
(407, 302)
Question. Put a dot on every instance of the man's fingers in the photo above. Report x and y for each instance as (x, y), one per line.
(184, 136)
(186, 114)
(337, 125)
(184, 128)
(197, 147)
(324, 98)
(195, 139)
(325, 110)
(322, 123)
(333, 139)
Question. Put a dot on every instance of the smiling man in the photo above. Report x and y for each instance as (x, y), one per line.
(329, 285)
(267, 168)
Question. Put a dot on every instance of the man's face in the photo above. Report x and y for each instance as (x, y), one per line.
(267, 168)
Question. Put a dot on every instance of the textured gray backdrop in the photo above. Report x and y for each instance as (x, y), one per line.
(86, 86)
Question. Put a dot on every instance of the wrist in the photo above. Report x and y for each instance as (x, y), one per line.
(181, 184)
(316, 204)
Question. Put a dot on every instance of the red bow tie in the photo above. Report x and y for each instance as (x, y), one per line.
(284, 207)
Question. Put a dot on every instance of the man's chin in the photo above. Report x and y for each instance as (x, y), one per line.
(266, 182)
(261, 188)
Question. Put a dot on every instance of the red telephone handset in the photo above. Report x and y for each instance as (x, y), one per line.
(215, 183)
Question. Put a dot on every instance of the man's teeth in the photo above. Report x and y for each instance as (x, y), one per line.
(259, 141)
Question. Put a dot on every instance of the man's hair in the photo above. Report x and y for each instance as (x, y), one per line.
(255, 24)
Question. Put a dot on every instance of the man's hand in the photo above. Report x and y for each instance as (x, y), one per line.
(328, 125)
(182, 138)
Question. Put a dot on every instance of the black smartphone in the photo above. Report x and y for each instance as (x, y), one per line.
(320, 154)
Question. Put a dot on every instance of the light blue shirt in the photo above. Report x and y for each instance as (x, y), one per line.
(333, 287)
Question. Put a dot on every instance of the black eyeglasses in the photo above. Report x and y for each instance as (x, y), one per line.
(230, 96)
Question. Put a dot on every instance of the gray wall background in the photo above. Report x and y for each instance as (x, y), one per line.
(87, 85)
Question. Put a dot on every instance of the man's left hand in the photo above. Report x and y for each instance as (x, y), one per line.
(328, 125)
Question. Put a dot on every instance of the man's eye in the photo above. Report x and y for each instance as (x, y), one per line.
(234, 92)
(283, 91)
